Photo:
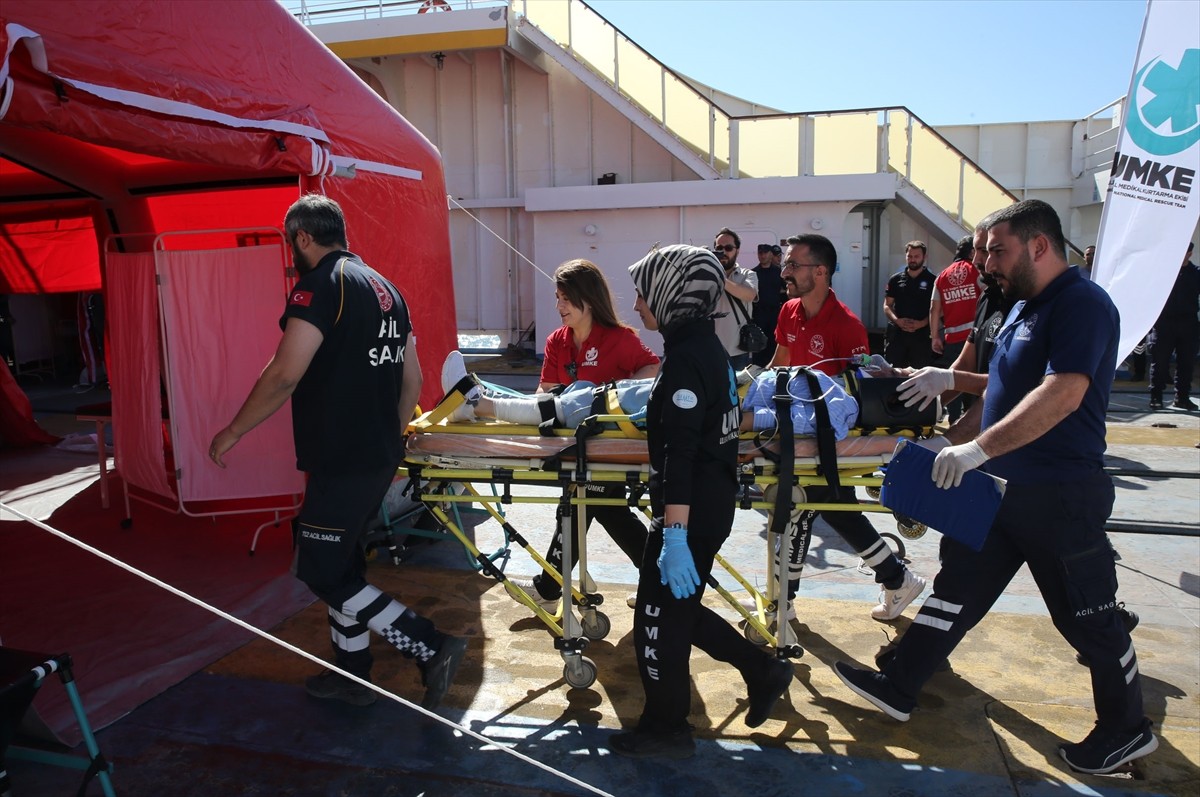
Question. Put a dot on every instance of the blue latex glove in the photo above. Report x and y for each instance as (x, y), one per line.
(676, 564)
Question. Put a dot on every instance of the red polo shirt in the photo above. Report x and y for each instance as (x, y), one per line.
(608, 354)
(834, 333)
(958, 289)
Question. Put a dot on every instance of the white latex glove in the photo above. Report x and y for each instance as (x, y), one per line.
(925, 385)
(953, 461)
(935, 444)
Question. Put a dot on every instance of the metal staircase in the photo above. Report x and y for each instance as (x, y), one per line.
(937, 181)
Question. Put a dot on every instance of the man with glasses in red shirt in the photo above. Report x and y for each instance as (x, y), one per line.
(817, 330)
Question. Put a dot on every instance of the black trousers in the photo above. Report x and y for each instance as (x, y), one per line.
(665, 629)
(1165, 338)
(625, 528)
(857, 531)
(907, 349)
(337, 510)
(1058, 530)
(853, 527)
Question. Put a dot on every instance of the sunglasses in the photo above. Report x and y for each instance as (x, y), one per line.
(727, 248)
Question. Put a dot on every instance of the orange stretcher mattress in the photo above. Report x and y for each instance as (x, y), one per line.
(430, 447)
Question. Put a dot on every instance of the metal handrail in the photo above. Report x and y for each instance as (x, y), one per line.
(312, 12)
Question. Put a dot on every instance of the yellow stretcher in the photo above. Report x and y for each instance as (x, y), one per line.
(446, 461)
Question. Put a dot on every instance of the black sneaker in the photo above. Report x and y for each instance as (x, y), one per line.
(330, 685)
(767, 689)
(1184, 403)
(888, 652)
(438, 672)
(876, 689)
(638, 743)
(1128, 617)
(1156, 402)
(1105, 751)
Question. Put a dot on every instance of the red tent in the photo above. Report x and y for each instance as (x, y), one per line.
(146, 117)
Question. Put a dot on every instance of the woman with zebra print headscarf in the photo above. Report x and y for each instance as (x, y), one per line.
(692, 420)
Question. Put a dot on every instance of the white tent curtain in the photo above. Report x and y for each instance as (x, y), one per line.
(220, 312)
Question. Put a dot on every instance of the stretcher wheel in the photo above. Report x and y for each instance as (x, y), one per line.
(874, 492)
(753, 635)
(580, 673)
(912, 529)
(595, 625)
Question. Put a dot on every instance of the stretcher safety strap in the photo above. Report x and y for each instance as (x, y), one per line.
(545, 405)
(787, 451)
(826, 444)
(286, 646)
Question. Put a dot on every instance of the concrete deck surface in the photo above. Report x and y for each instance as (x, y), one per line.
(988, 726)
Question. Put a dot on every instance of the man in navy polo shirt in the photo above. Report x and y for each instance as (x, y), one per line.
(1042, 430)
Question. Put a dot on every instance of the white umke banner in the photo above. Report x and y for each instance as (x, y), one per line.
(1152, 206)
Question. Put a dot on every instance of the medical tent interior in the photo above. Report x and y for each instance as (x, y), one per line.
(152, 156)
(149, 150)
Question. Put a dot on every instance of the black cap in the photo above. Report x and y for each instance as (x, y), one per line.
(765, 248)
(776, 250)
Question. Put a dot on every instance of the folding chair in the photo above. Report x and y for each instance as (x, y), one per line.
(21, 674)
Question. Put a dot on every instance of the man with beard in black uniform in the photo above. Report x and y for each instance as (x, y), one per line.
(348, 361)
(906, 306)
(692, 420)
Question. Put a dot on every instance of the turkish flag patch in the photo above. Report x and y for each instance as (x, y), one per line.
(302, 298)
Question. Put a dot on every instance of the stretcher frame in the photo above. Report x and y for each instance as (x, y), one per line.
(431, 476)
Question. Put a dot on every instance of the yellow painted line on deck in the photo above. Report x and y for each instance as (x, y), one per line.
(1149, 436)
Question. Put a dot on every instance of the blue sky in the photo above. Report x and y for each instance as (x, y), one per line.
(949, 61)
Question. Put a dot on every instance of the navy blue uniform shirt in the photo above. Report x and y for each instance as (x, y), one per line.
(1071, 327)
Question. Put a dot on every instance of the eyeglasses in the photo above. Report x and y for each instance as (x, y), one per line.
(727, 248)
(793, 264)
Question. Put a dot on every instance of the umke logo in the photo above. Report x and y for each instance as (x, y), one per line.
(1163, 120)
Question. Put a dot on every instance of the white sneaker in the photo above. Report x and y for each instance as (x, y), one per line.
(549, 604)
(749, 605)
(893, 602)
(454, 370)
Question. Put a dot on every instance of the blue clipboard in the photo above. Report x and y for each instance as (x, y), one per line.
(964, 513)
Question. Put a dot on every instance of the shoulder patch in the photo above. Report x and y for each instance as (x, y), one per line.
(382, 293)
(302, 298)
(684, 399)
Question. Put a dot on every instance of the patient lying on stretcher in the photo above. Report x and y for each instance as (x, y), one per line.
(575, 403)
